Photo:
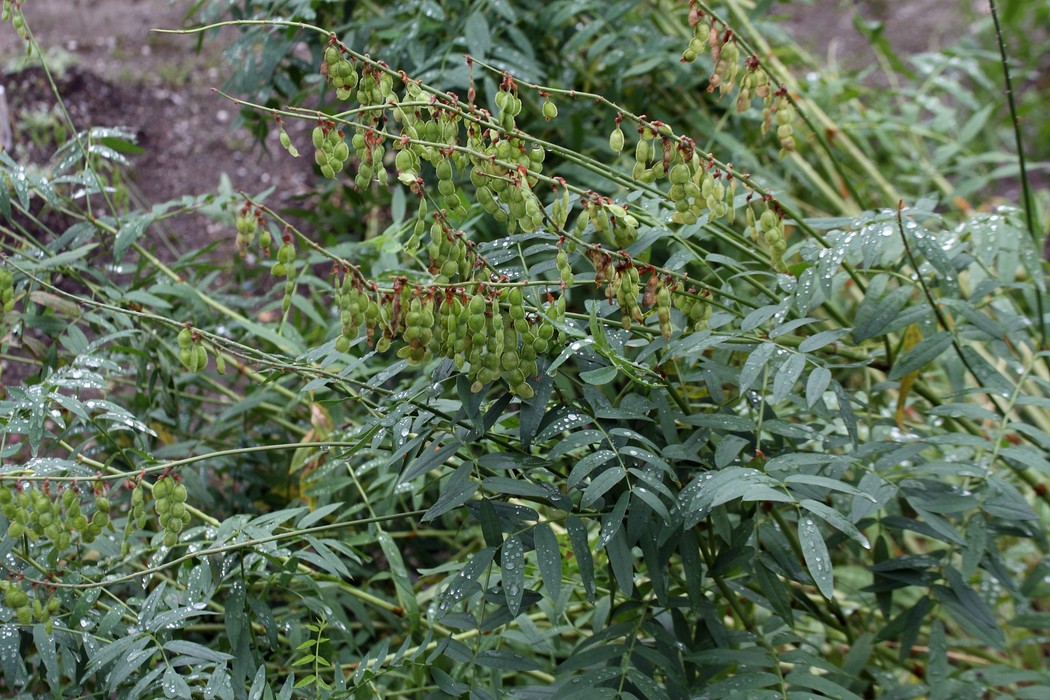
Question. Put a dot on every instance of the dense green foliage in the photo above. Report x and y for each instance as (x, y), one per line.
(745, 398)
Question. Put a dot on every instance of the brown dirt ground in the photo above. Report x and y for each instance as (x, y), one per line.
(113, 71)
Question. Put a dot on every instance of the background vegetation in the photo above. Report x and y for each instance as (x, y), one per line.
(644, 359)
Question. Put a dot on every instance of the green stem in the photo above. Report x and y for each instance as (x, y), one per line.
(1026, 188)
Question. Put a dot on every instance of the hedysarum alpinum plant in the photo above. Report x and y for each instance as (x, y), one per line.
(622, 420)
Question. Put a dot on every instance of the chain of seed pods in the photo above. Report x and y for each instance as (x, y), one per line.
(439, 144)
(755, 83)
(169, 501)
(57, 517)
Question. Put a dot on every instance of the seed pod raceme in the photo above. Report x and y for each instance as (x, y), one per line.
(7, 292)
(286, 142)
(663, 311)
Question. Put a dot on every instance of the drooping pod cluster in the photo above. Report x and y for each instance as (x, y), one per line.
(702, 30)
(480, 322)
(11, 11)
(499, 344)
(55, 516)
(727, 62)
(418, 333)
(724, 51)
(357, 309)
(768, 227)
(627, 287)
(136, 513)
(490, 333)
(339, 70)
(755, 83)
(29, 608)
(663, 310)
(781, 112)
(649, 162)
(695, 308)
(439, 128)
(285, 267)
(250, 222)
(616, 227)
(697, 186)
(506, 179)
(375, 87)
(508, 103)
(330, 149)
(7, 292)
(561, 260)
(368, 145)
(451, 254)
(623, 287)
(169, 500)
(192, 353)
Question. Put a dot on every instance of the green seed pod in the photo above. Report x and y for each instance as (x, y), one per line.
(443, 169)
(341, 152)
(188, 358)
(406, 161)
(643, 151)
(185, 338)
(162, 489)
(550, 110)
(286, 254)
(202, 358)
(679, 174)
(515, 300)
(286, 141)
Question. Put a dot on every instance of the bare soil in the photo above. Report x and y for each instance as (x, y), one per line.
(828, 28)
(112, 70)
